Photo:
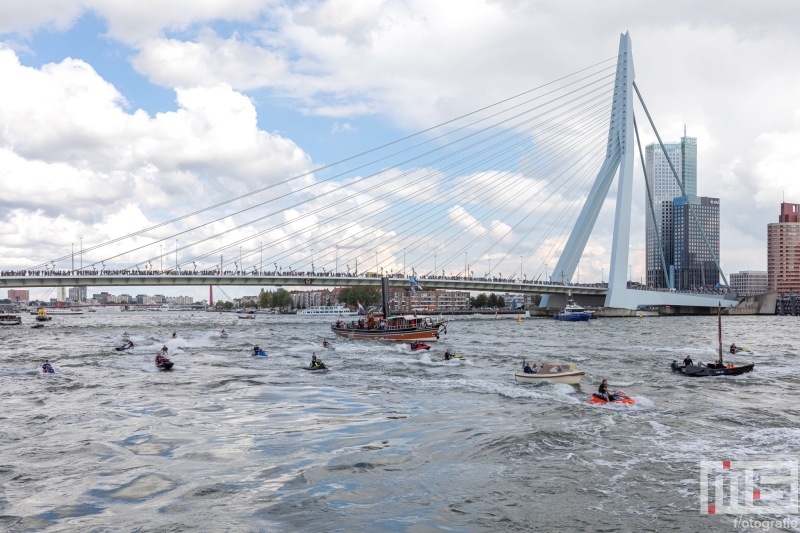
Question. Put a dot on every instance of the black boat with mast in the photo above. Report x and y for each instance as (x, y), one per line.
(713, 369)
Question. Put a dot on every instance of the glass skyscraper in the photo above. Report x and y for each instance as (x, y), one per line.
(664, 189)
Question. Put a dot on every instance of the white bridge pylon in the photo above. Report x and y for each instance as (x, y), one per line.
(619, 155)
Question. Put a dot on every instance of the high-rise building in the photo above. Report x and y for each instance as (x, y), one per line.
(77, 294)
(664, 188)
(783, 250)
(694, 265)
(18, 295)
(61, 294)
(749, 282)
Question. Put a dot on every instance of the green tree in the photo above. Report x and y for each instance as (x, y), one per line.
(250, 303)
(481, 300)
(365, 295)
(492, 300)
(264, 299)
(501, 302)
(228, 305)
(220, 304)
(282, 299)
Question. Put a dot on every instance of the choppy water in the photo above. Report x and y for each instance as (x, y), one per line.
(387, 440)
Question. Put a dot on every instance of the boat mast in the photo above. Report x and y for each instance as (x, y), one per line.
(719, 331)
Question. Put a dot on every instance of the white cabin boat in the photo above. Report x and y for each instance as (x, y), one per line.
(328, 310)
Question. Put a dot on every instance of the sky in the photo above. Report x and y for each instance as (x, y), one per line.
(116, 115)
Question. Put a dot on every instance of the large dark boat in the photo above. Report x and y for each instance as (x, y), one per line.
(381, 326)
(718, 368)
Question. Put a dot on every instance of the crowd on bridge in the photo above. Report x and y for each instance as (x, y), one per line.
(299, 274)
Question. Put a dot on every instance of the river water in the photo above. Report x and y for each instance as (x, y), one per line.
(387, 440)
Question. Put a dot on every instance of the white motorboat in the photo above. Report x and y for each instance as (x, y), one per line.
(10, 320)
(328, 310)
(553, 373)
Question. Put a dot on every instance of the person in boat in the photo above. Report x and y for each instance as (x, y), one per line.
(47, 368)
(526, 367)
(605, 392)
(734, 349)
(688, 361)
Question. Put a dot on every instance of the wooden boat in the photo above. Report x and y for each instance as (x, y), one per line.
(712, 369)
(718, 368)
(553, 373)
(402, 328)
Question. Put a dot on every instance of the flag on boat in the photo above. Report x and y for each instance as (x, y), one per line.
(414, 285)
(360, 308)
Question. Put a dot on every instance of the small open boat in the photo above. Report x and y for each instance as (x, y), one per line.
(553, 373)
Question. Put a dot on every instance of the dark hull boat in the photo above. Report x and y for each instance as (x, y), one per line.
(712, 369)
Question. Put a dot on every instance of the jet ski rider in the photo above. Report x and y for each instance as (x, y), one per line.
(688, 361)
(47, 368)
(315, 363)
(604, 392)
(734, 349)
(256, 349)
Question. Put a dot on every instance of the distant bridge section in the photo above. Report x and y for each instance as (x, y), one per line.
(310, 281)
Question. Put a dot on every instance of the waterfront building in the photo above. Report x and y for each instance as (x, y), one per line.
(18, 295)
(749, 282)
(783, 250)
(693, 262)
(664, 188)
(401, 300)
(306, 299)
(61, 294)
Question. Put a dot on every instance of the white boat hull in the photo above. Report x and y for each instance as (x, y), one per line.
(570, 378)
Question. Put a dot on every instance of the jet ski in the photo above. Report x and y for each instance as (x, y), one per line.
(261, 353)
(37, 326)
(419, 346)
(328, 346)
(165, 364)
(127, 346)
(125, 335)
(620, 397)
(47, 369)
(223, 335)
(455, 357)
(740, 350)
(316, 368)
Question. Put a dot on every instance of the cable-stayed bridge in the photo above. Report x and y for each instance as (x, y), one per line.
(513, 186)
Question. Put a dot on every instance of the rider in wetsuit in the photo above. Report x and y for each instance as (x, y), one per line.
(256, 349)
(47, 368)
(447, 355)
(688, 361)
(733, 349)
(315, 363)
